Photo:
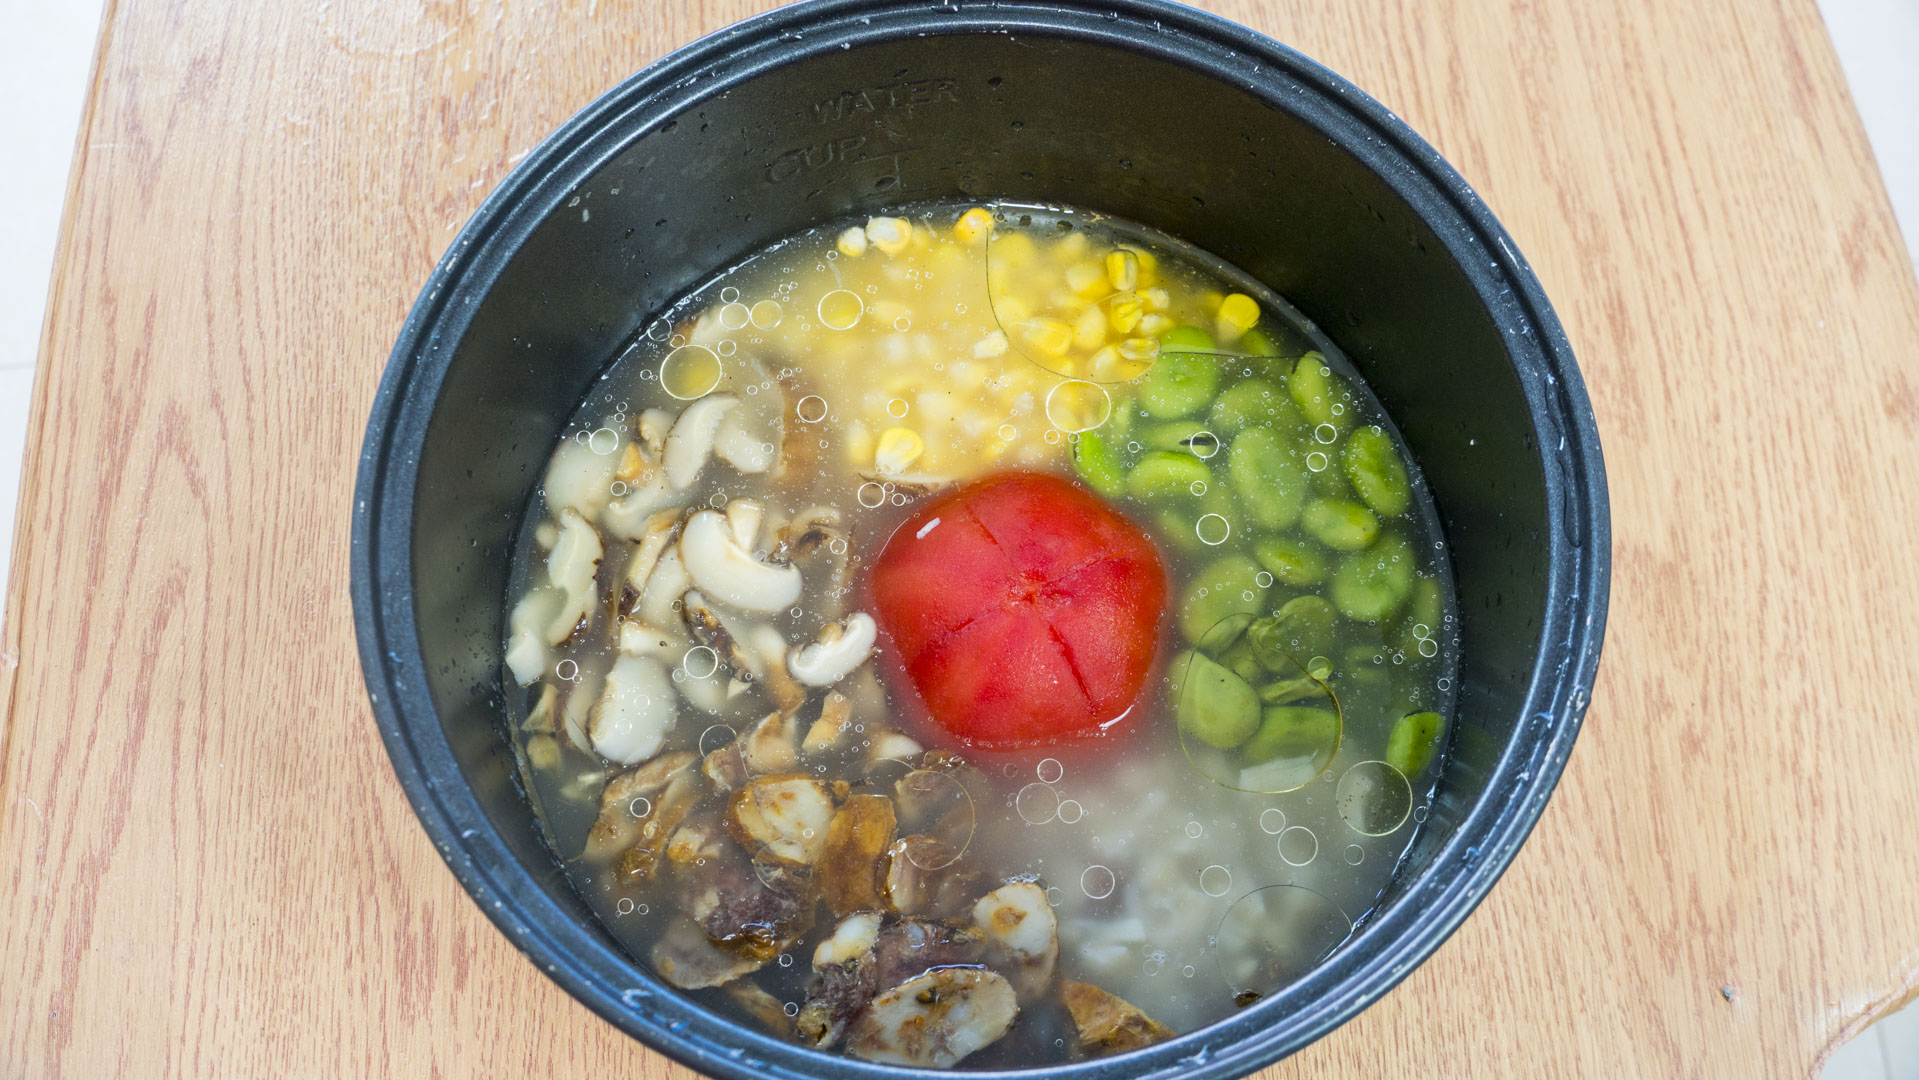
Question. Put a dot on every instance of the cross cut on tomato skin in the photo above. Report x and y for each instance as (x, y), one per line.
(1024, 610)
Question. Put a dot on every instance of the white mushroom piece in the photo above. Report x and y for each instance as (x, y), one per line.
(580, 477)
(642, 491)
(934, 1020)
(840, 647)
(1022, 935)
(639, 798)
(636, 709)
(528, 656)
(852, 939)
(690, 442)
(572, 567)
(782, 817)
(726, 569)
(684, 957)
(651, 545)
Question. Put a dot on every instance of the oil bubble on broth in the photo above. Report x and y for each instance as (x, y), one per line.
(736, 757)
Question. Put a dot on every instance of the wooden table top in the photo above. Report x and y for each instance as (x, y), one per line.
(211, 870)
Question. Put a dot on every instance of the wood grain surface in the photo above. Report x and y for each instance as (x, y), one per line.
(210, 871)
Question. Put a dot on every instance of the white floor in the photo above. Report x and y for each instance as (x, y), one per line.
(47, 57)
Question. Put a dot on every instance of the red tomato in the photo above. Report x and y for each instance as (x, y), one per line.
(1024, 610)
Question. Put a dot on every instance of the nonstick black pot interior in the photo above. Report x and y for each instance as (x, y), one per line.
(753, 135)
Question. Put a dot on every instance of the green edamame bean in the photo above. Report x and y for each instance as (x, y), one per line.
(1292, 561)
(1340, 524)
(1376, 471)
(1230, 586)
(1191, 436)
(1096, 464)
(1302, 630)
(1318, 390)
(1164, 474)
(1287, 691)
(1256, 401)
(1216, 706)
(1256, 342)
(1414, 739)
(1427, 606)
(1291, 731)
(1369, 586)
(1266, 474)
(1181, 380)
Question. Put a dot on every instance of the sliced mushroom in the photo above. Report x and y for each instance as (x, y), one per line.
(700, 836)
(629, 802)
(655, 539)
(1109, 1024)
(739, 446)
(935, 1020)
(726, 767)
(544, 717)
(703, 622)
(528, 656)
(922, 876)
(629, 516)
(572, 566)
(840, 647)
(690, 442)
(1022, 935)
(770, 649)
(851, 940)
(580, 478)
(683, 792)
(658, 606)
(771, 745)
(729, 572)
(835, 720)
(784, 817)
(856, 844)
(760, 1005)
(889, 745)
(635, 712)
(684, 957)
(654, 425)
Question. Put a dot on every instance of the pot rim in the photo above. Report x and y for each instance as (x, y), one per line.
(1397, 938)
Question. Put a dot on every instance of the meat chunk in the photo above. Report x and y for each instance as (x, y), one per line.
(913, 946)
(934, 1020)
(759, 911)
(783, 817)
(856, 846)
(1022, 936)
(1109, 1024)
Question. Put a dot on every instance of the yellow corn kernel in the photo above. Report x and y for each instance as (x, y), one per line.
(1089, 330)
(899, 448)
(1237, 314)
(1148, 266)
(1105, 365)
(1086, 278)
(1124, 311)
(1155, 299)
(993, 344)
(1070, 247)
(1014, 249)
(853, 242)
(1211, 299)
(1155, 325)
(1050, 337)
(974, 225)
(859, 443)
(1138, 349)
(1011, 310)
(889, 234)
(1122, 269)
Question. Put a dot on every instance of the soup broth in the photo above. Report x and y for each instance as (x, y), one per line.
(759, 792)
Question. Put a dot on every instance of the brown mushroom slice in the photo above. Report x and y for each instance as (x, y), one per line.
(760, 1005)
(771, 746)
(1107, 1023)
(704, 623)
(770, 648)
(701, 836)
(923, 876)
(785, 816)
(856, 844)
(936, 1020)
(1022, 935)
(726, 767)
(684, 957)
(827, 732)
(890, 747)
(629, 801)
(544, 717)
(655, 540)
